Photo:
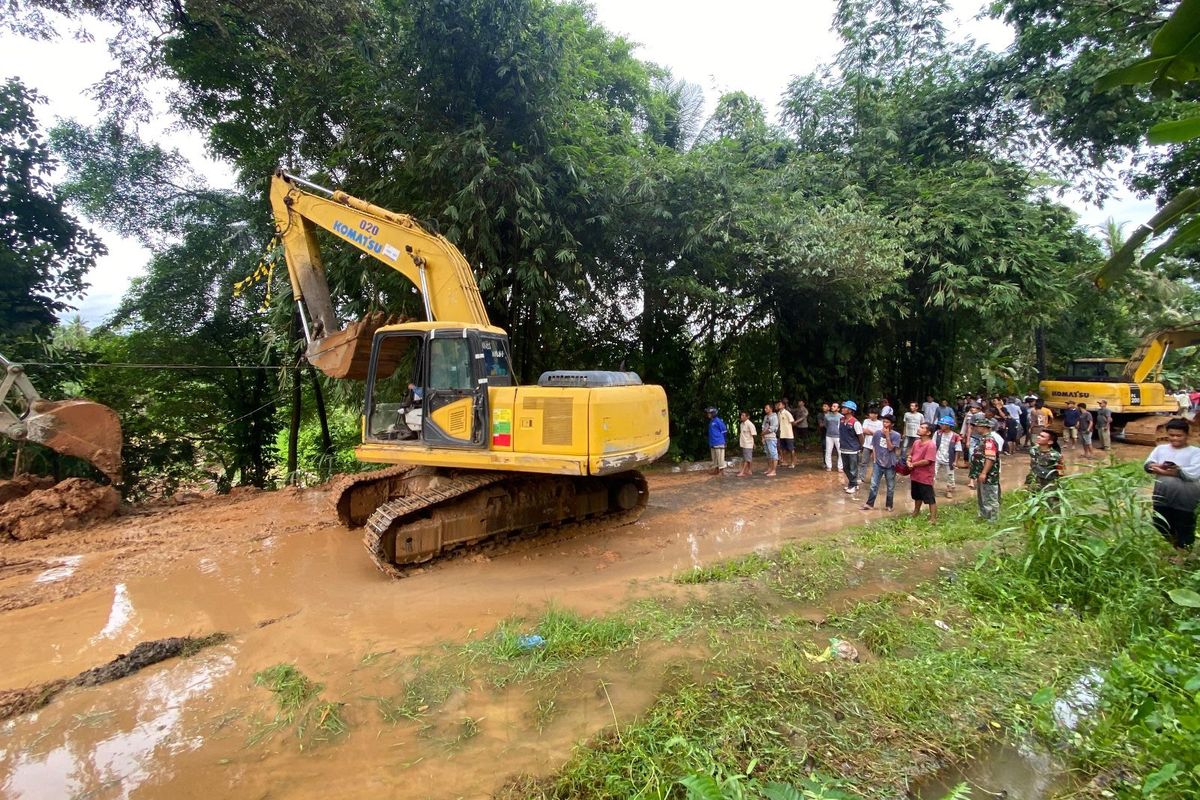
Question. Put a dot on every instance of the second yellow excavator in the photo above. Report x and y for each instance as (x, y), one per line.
(1139, 402)
(476, 455)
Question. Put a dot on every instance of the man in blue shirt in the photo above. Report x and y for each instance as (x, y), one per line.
(1070, 421)
(716, 440)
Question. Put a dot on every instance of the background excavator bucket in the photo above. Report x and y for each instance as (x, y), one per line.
(79, 428)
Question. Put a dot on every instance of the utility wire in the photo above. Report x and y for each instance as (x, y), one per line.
(108, 365)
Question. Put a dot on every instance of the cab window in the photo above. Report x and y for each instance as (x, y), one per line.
(496, 366)
(396, 390)
(450, 365)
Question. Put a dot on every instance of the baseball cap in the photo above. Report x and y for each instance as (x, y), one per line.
(710, 410)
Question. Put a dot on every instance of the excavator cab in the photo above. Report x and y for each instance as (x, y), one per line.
(428, 383)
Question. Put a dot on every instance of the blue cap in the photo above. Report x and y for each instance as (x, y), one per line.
(946, 421)
(850, 404)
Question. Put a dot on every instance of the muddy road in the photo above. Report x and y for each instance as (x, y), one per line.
(276, 572)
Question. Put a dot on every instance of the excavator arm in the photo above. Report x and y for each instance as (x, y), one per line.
(1146, 362)
(434, 265)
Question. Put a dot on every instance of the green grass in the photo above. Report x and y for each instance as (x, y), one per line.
(747, 566)
(426, 683)
(948, 665)
(569, 638)
(298, 707)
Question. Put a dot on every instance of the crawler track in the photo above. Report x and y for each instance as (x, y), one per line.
(422, 513)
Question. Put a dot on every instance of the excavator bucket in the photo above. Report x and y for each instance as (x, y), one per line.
(347, 353)
(79, 428)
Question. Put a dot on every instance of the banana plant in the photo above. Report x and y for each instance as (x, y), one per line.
(1173, 61)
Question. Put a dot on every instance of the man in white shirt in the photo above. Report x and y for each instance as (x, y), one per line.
(746, 434)
(1176, 467)
(929, 410)
(870, 425)
(912, 423)
(787, 436)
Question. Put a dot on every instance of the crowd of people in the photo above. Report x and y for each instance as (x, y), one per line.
(929, 441)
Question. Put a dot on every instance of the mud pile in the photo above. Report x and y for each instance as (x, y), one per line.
(23, 485)
(46, 510)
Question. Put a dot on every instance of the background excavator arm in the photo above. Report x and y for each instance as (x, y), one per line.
(430, 261)
(1146, 361)
(78, 428)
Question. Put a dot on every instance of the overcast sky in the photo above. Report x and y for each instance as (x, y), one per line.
(755, 46)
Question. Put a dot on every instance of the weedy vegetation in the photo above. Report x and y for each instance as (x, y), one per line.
(1078, 580)
(298, 707)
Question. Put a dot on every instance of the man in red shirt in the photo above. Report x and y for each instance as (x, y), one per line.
(922, 457)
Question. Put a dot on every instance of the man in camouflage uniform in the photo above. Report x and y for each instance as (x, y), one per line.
(985, 468)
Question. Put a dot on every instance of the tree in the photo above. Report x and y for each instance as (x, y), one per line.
(44, 251)
(215, 418)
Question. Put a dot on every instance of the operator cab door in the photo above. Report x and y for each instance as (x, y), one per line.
(456, 397)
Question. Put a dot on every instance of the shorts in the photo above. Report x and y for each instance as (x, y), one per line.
(787, 445)
(923, 493)
(1086, 437)
(771, 446)
(747, 454)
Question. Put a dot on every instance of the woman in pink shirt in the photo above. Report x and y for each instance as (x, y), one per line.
(922, 457)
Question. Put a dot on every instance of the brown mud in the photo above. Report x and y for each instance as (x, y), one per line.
(293, 586)
(65, 506)
(23, 485)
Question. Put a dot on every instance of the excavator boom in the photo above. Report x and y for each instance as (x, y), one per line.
(1146, 362)
(79, 428)
(430, 261)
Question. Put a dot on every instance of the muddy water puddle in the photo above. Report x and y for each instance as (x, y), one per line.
(1002, 771)
(293, 588)
(189, 729)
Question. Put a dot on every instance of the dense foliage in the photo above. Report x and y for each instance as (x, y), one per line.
(44, 251)
(896, 231)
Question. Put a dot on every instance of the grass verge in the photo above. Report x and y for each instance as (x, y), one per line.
(981, 652)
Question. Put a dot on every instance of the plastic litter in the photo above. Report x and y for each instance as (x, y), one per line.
(531, 641)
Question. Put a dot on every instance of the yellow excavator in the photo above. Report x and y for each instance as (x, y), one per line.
(476, 456)
(79, 428)
(1140, 404)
